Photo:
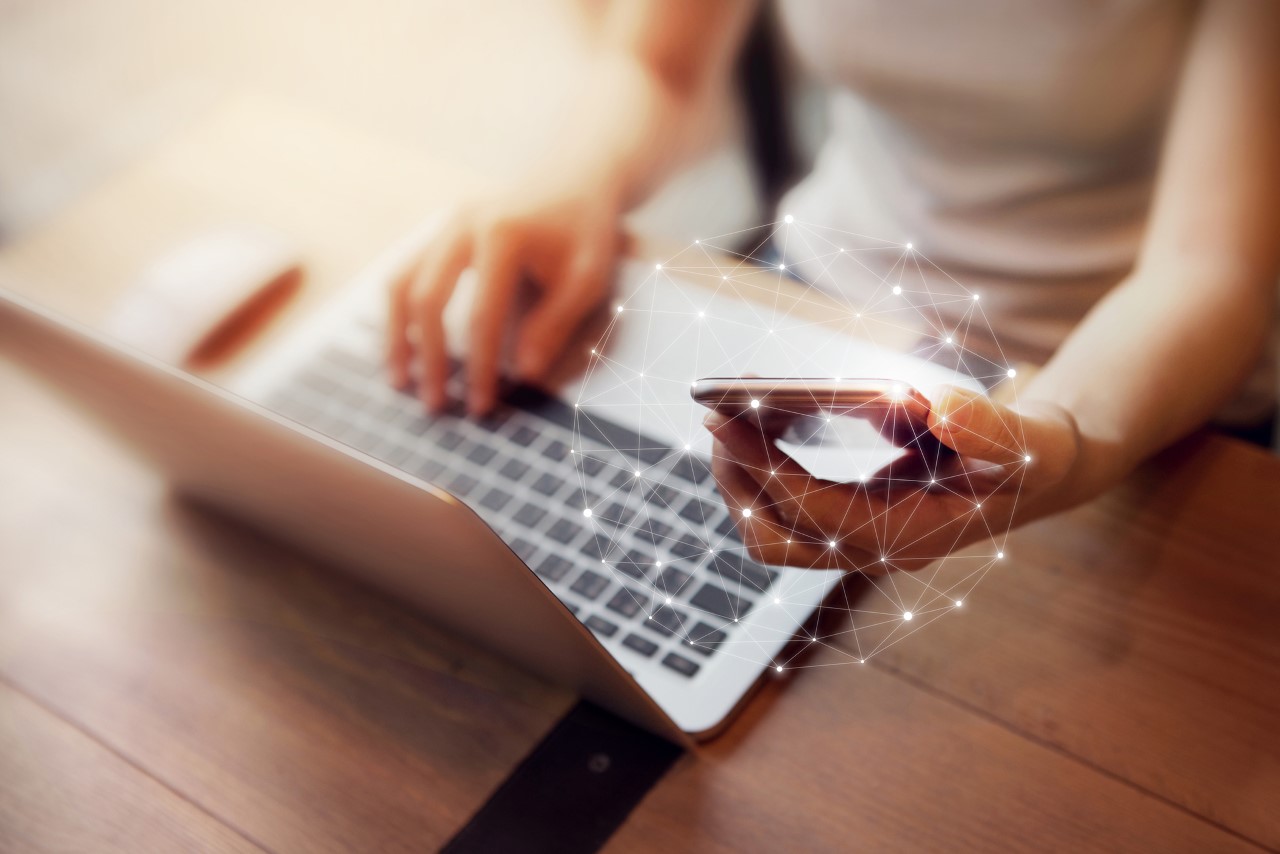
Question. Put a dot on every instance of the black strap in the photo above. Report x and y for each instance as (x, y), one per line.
(573, 791)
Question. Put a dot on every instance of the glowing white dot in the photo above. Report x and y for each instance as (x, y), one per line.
(832, 543)
(788, 542)
(694, 384)
(587, 512)
(841, 248)
(782, 266)
(725, 278)
(755, 404)
(668, 600)
(788, 219)
(999, 555)
(779, 668)
(688, 447)
(657, 266)
(770, 331)
(932, 481)
(735, 619)
(949, 341)
(909, 246)
(1012, 372)
(959, 603)
(977, 297)
(942, 418)
(906, 615)
(897, 290)
(640, 375)
(697, 241)
(1027, 458)
(772, 473)
(637, 472)
(657, 563)
(702, 314)
(619, 309)
(746, 512)
(859, 314)
(977, 505)
(777, 601)
(593, 351)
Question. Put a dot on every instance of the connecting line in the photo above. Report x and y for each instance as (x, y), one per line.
(897, 519)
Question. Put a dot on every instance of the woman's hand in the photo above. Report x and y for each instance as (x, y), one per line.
(1007, 467)
(564, 242)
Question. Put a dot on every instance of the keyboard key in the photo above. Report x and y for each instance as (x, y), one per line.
(651, 454)
(554, 567)
(628, 602)
(494, 419)
(523, 548)
(449, 440)
(667, 621)
(595, 547)
(419, 425)
(481, 454)
(556, 450)
(691, 469)
(689, 546)
(524, 436)
(590, 584)
(637, 571)
(463, 485)
(671, 581)
(590, 466)
(681, 665)
(622, 477)
(601, 626)
(705, 639)
(428, 470)
(615, 513)
(581, 498)
(645, 647)
(563, 531)
(736, 569)
(728, 528)
(718, 601)
(495, 499)
(548, 484)
(530, 515)
(513, 469)
(573, 609)
(660, 493)
(697, 510)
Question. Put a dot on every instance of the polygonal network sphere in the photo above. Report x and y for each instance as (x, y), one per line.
(841, 308)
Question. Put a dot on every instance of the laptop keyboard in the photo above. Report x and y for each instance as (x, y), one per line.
(657, 569)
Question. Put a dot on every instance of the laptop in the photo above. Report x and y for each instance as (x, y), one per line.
(648, 605)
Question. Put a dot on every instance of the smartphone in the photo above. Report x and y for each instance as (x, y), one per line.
(895, 408)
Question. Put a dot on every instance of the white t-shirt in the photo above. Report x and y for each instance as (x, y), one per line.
(1013, 142)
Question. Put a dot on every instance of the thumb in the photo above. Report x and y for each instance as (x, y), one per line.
(973, 425)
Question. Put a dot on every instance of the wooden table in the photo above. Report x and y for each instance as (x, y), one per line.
(169, 680)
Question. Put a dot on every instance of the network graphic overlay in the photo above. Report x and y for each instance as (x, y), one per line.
(801, 301)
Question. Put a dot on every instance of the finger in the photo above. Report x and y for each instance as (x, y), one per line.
(436, 279)
(770, 539)
(498, 270)
(561, 310)
(973, 425)
(399, 350)
(785, 483)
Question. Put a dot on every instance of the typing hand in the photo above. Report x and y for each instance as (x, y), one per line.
(912, 512)
(565, 244)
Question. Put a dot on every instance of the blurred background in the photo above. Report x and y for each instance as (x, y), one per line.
(87, 87)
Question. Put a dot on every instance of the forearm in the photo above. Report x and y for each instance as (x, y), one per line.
(650, 99)
(1154, 360)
